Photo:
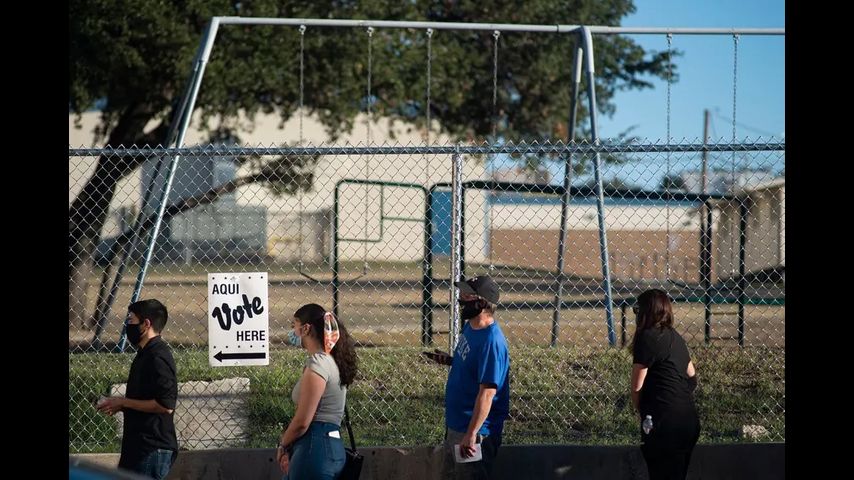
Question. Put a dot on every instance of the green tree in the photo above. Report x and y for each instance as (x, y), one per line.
(136, 57)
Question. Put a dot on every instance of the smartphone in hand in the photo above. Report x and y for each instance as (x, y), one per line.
(439, 357)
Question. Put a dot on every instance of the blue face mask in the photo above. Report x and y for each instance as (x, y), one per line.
(294, 339)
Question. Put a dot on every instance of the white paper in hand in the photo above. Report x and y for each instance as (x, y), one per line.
(478, 454)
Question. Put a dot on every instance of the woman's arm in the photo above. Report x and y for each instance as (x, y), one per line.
(692, 375)
(312, 386)
(638, 376)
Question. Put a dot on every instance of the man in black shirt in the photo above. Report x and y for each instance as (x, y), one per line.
(149, 443)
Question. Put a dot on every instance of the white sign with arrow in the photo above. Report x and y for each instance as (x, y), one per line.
(238, 319)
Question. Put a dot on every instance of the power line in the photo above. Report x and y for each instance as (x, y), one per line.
(748, 127)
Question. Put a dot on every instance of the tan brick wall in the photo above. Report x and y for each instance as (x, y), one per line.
(634, 254)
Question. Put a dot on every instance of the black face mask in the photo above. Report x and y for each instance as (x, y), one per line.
(134, 333)
(470, 309)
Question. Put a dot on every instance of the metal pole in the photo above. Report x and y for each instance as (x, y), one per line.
(706, 234)
(706, 270)
(564, 199)
(704, 187)
(506, 27)
(210, 35)
(742, 270)
(462, 235)
(427, 273)
(706, 117)
(336, 283)
(623, 324)
(587, 41)
(456, 227)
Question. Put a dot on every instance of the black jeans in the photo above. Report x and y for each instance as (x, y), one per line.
(668, 447)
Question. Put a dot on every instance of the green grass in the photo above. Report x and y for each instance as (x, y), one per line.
(558, 395)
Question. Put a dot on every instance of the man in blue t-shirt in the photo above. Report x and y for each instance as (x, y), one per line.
(477, 395)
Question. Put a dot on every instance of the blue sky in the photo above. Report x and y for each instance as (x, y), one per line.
(705, 81)
(706, 72)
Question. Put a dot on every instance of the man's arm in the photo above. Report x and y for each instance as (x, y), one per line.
(165, 393)
(482, 404)
(112, 405)
(147, 406)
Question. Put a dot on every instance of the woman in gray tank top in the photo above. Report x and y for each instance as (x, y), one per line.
(311, 446)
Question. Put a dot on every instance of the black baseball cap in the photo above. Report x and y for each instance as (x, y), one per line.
(483, 286)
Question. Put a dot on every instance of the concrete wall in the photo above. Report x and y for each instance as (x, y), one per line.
(749, 461)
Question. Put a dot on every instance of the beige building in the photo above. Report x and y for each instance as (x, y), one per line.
(359, 215)
(765, 235)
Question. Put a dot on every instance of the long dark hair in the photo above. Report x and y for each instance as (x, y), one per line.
(654, 310)
(344, 351)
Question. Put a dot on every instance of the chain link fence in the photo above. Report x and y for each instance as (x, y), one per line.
(367, 232)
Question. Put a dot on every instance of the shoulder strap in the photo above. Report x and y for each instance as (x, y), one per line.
(349, 427)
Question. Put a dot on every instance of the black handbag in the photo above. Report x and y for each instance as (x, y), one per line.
(353, 459)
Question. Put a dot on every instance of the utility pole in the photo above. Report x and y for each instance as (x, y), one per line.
(706, 117)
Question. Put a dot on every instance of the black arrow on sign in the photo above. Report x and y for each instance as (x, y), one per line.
(239, 356)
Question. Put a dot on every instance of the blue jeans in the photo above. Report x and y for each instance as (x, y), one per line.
(156, 464)
(316, 455)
